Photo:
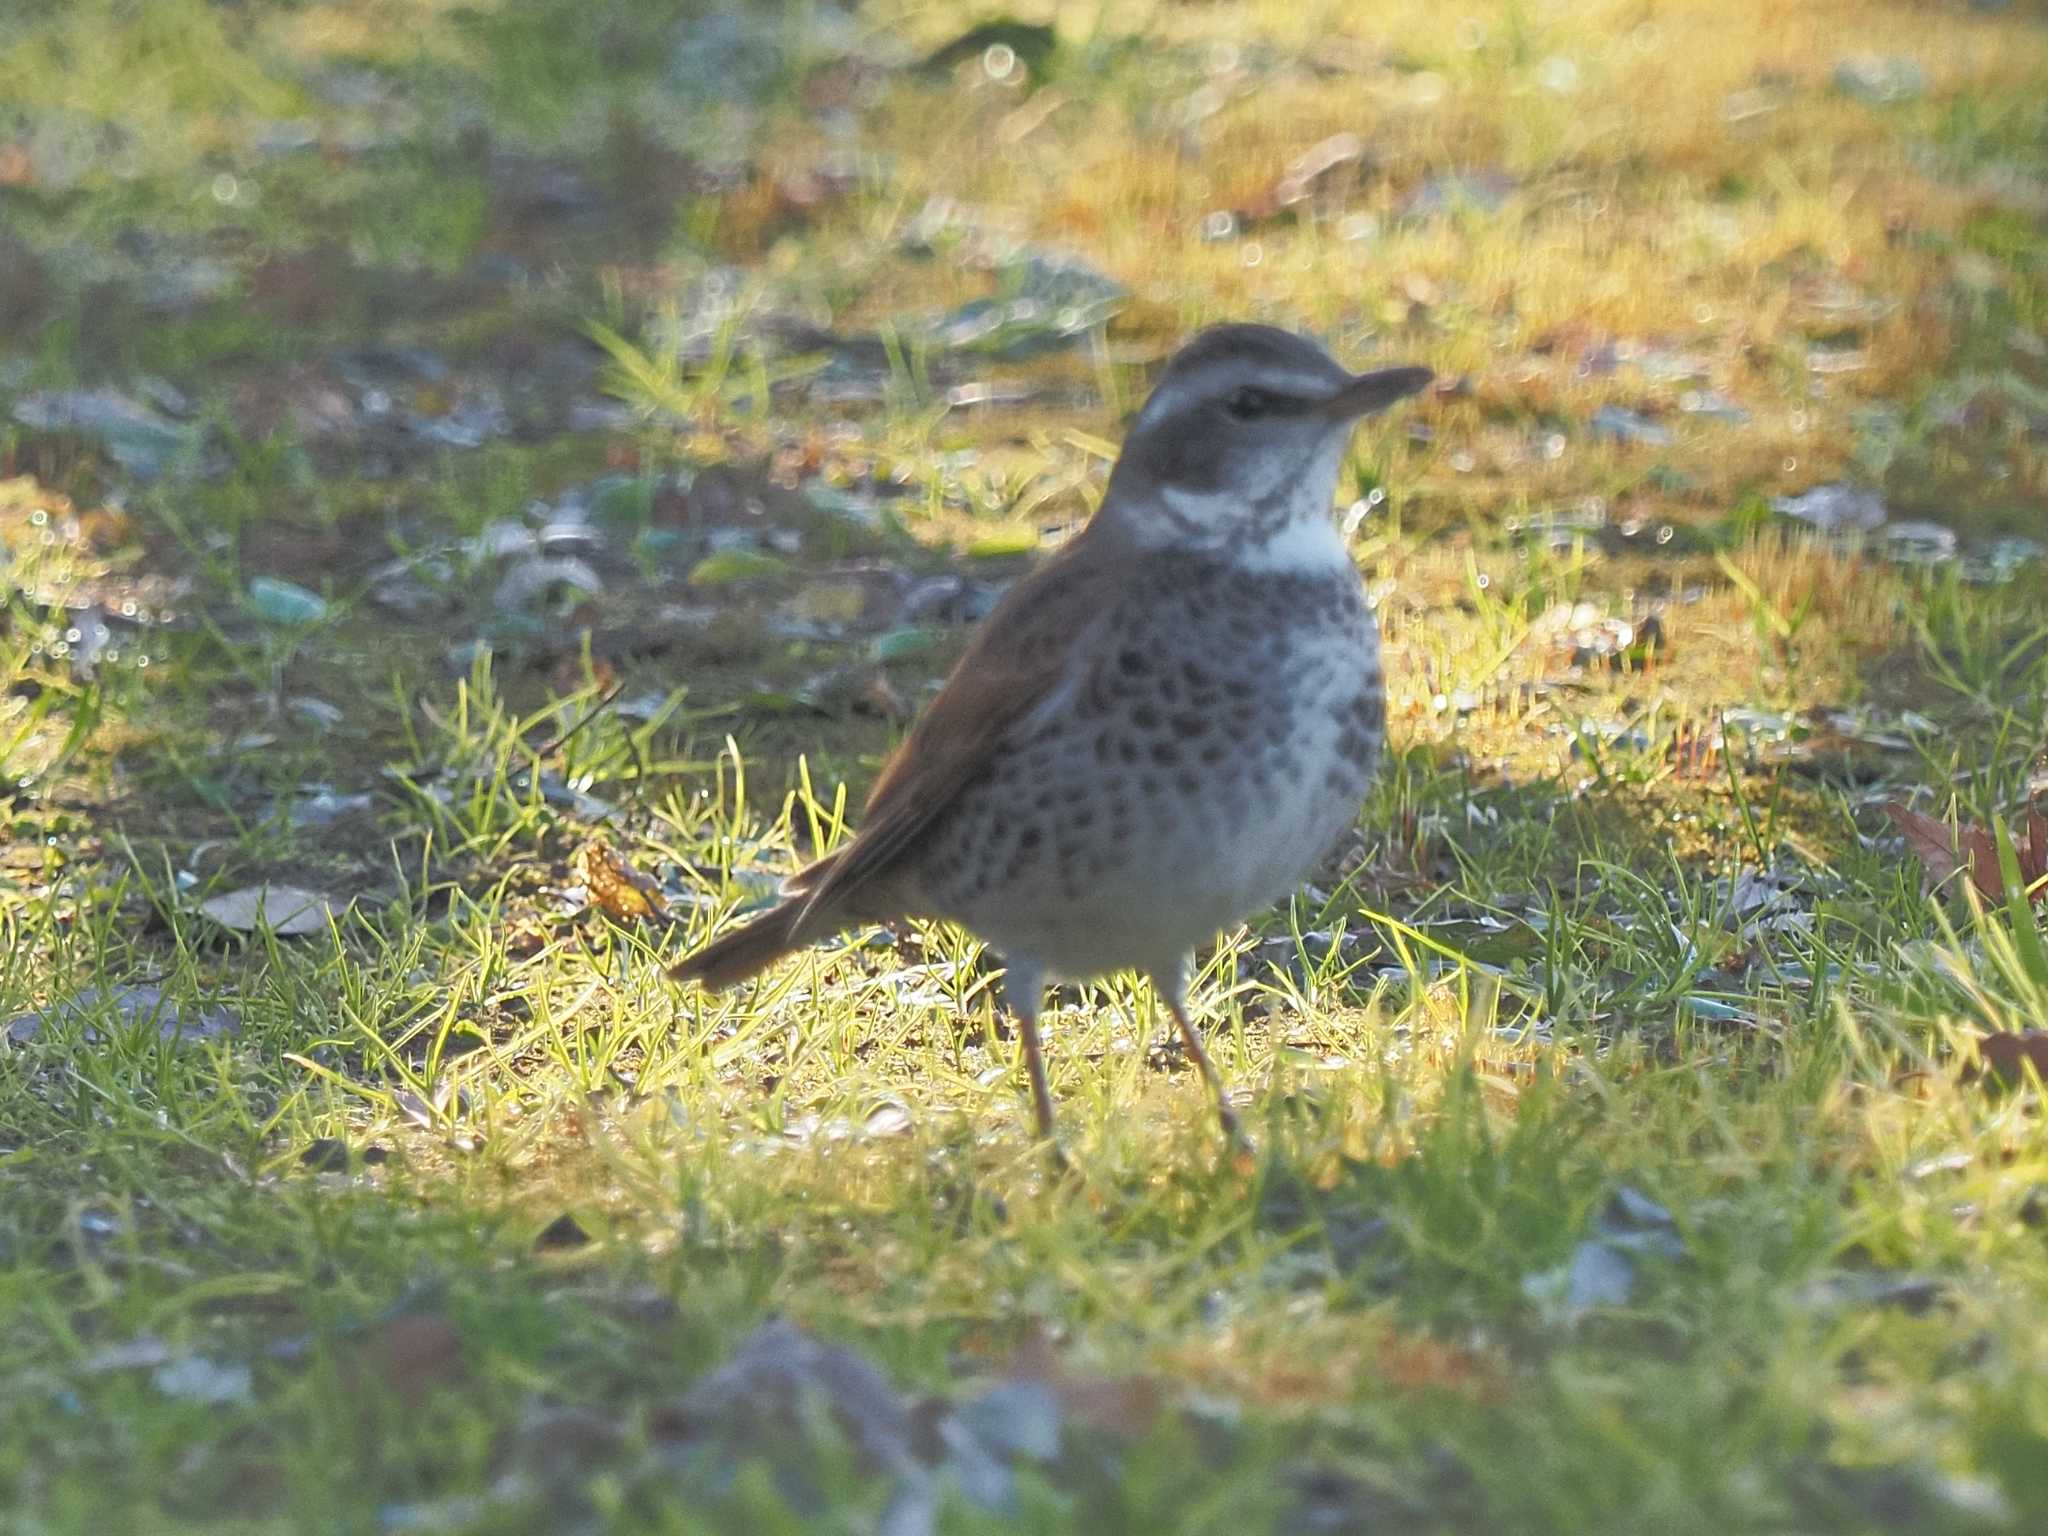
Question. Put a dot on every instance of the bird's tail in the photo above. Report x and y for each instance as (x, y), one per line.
(746, 950)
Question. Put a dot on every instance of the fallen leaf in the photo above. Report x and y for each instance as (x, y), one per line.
(1834, 508)
(571, 676)
(1972, 846)
(559, 1448)
(1001, 546)
(1928, 840)
(285, 602)
(2030, 844)
(1598, 1275)
(1482, 191)
(761, 1402)
(1419, 1362)
(412, 1354)
(1327, 1498)
(562, 1233)
(1880, 80)
(197, 1379)
(1314, 169)
(887, 1119)
(318, 805)
(2006, 1055)
(1901, 1288)
(878, 696)
(905, 642)
(755, 1401)
(525, 941)
(620, 890)
(1621, 425)
(1635, 1223)
(285, 910)
(830, 602)
(327, 1154)
(570, 799)
(529, 584)
(145, 1349)
(139, 438)
(1016, 1418)
(424, 1112)
(730, 565)
(131, 1004)
(1123, 1406)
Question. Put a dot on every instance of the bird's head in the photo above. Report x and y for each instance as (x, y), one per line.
(1245, 429)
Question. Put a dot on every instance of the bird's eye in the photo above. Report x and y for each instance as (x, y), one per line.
(1247, 404)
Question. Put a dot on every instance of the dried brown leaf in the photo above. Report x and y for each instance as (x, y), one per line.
(412, 1356)
(569, 675)
(2006, 1055)
(1980, 854)
(1417, 1362)
(1928, 840)
(621, 890)
(1124, 1406)
(878, 696)
(564, 1232)
(2031, 844)
(1973, 847)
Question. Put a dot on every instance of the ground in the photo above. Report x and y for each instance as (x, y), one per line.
(497, 478)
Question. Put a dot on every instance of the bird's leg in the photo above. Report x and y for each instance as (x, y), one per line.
(1024, 991)
(1173, 987)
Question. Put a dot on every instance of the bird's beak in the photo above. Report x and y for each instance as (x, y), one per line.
(1370, 392)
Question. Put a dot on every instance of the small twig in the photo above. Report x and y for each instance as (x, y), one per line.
(610, 698)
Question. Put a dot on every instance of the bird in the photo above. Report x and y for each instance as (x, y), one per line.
(1155, 735)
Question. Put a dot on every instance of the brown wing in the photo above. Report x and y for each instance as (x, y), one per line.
(1024, 651)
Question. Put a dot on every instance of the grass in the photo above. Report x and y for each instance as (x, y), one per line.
(1625, 1157)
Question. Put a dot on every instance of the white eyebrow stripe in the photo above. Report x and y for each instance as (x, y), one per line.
(1216, 379)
